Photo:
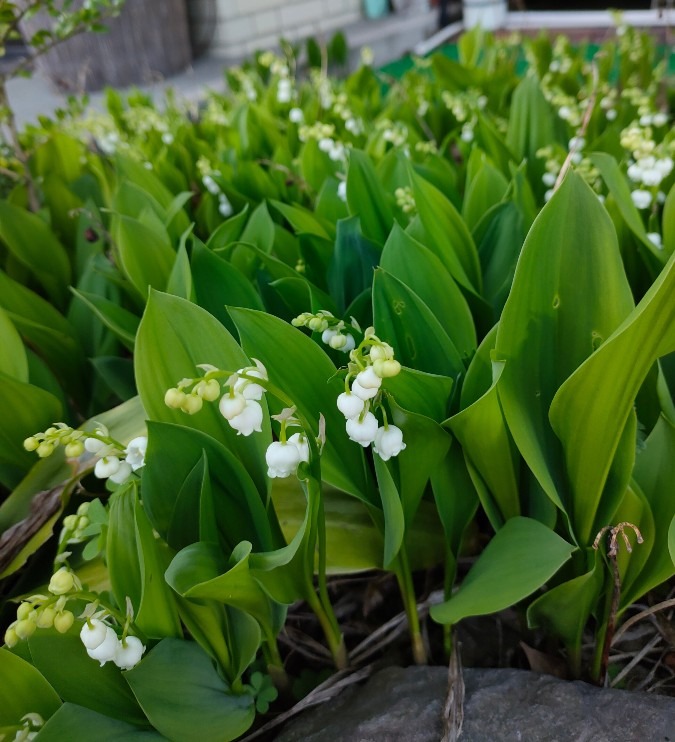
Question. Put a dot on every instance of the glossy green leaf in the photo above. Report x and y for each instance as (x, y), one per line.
(422, 271)
(180, 278)
(555, 317)
(302, 220)
(202, 571)
(404, 321)
(485, 190)
(219, 284)
(590, 411)
(229, 231)
(80, 680)
(182, 695)
(23, 690)
(69, 721)
(13, 360)
(352, 263)
(173, 453)
(521, 557)
(34, 245)
(118, 320)
(564, 609)
(259, 231)
(669, 222)
(449, 236)
(146, 256)
(168, 349)
(366, 198)
(392, 509)
(297, 366)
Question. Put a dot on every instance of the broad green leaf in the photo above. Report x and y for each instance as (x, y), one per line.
(23, 690)
(352, 263)
(69, 721)
(590, 411)
(366, 198)
(302, 220)
(168, 349)
(422, 271)
(531, 125)
(118, 320)
(669, 222)
(522, 557)
(392, 509)
(34, 245)
(259, 231)
(27, 409)
(239, 511)
(449, 236)
(180, 278)
(555, 317)
(182, 694)
(304, 373)
(13, 360)
(202, 571)
(484, 191)
(229, 231)
(426, 394)
(80, 680)
(404, 321)
(146, 256)
(219, 284)
(564, 609)
(493, 461)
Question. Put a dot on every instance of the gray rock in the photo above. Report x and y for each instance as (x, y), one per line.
(405, 705)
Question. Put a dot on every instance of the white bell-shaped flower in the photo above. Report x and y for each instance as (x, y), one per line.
(106, 467)
(368, 379)
(93, 633)
(231, 406)
(93, 445)
(105, 651)
(299, 440)
(282, 459)
(250, 389)
(128, 653)
(123, 473)
(350, 405)
(249, 420)
(362, 431)
(362, 392)
(388, 442)
(135, 452)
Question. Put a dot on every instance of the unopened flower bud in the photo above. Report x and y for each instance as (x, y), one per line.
(191, 404)
(45, 618)
(45, 449)
(31, 444)
(74, 449)
(368, 379)
(70, 522)
(350, 405)
(61, 582)
(208, 390)
(23, 611)
(386, 369)
(174, 398)
(11, 637)
(63, 621)
(318, 324)
(25, 628)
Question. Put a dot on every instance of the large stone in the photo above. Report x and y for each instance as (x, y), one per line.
(405, 705)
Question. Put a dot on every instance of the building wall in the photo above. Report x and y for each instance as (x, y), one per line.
(244, 26)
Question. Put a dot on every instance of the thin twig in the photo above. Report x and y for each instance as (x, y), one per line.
(636, 660)
(643, 614)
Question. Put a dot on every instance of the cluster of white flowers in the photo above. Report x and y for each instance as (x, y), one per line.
(296, 116)
(284, 456)
(334, 149)
(405, 200)
(649, 164)
(394, 132)
(103, 644)
(370, 363)
(213, 187)
(116, 462)
(284, 90)
(317, 130)
(342, 190)
(240, 406)
(333, 330)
